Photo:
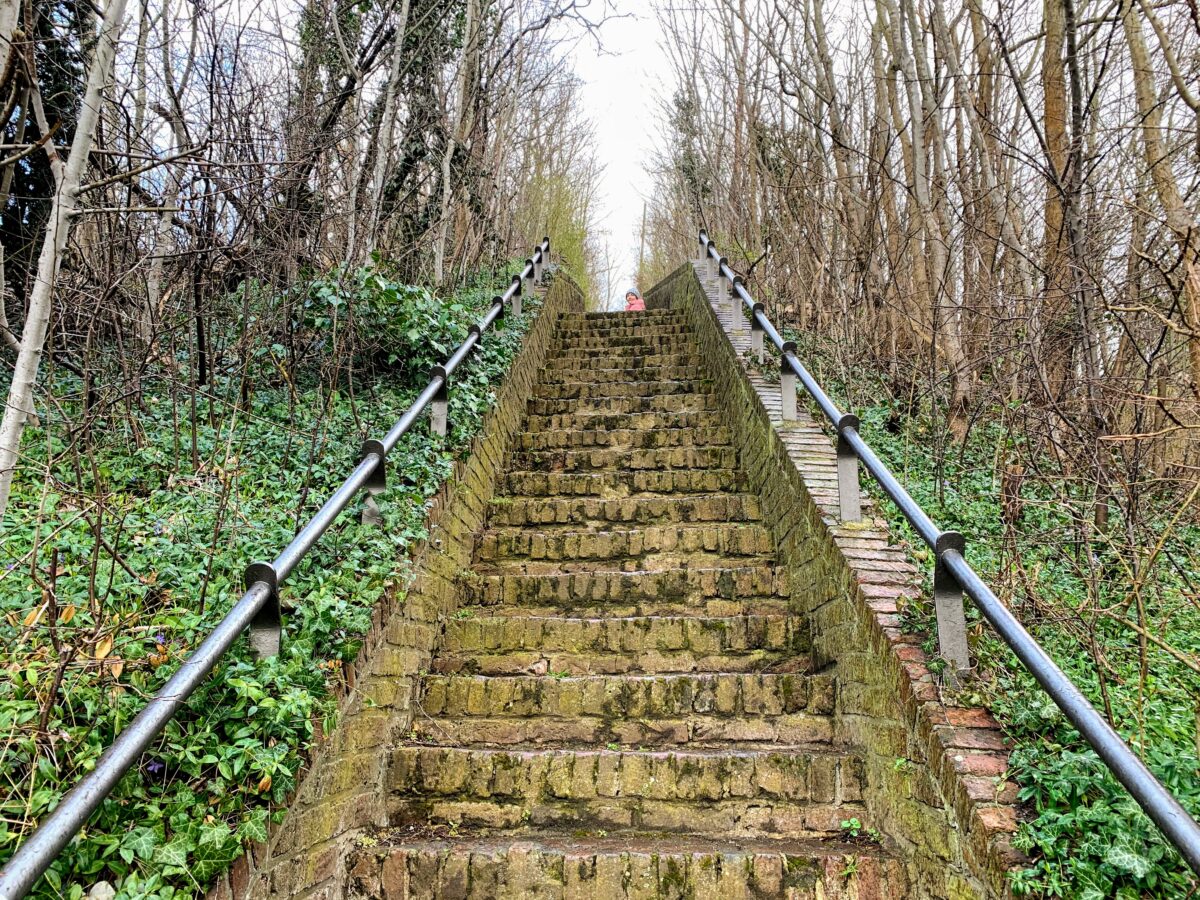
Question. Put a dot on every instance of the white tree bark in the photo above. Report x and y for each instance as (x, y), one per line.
(63, 211)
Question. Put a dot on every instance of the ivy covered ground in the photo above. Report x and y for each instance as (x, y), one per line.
(125, 544)
(1119, 612)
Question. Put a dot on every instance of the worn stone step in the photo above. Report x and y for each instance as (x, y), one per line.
(649, 710)
(623, 608)
(626, 363)
(641, 439)
(621, 461)
(652, 343)
(553, 543)
(668, 584)
(657, 403)
(619, 484)
(586, 390)
(623, 355)
(408, 864)
(623, 316)
(605, 421)
(568, 332)
(721, 507)
(607, 374)
(793, 792)
(510, 645)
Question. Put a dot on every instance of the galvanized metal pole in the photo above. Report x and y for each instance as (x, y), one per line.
(787, 384)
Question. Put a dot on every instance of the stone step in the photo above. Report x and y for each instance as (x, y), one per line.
(621, 608)
(567, 332)
(722, 507)
(649, 710)
(641, 439)
(604, 421)
(627, 363)
(653, 343)
(553, 544)
(605, 374)
(625, 462)
(793, 792)
(620, 484)
(623, 355)
(670, 584)
(586, 390)
(659, 403)
(412, 864)
(510, 645)
(622, 316)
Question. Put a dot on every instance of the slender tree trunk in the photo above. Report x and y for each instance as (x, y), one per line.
(63, 210)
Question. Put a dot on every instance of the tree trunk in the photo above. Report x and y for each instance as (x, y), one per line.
(63, 210)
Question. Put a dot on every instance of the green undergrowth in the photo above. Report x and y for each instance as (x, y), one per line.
(90, 628)
(1086, 837)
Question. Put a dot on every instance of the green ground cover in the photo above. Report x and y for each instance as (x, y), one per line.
(89, 627)
(1087, 837)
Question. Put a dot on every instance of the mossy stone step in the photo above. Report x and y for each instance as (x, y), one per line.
(658, 343)
(627, 363)
(644, 316)
(624, 374)
(613, 485)
(641, 439)
(642, 710)
(511, 645)
(587, 390)
(626, 462)
(568, 331)
(718, 507)
(605, 421)
(669, 403)
(731, 540)
(668, 584)
(796, 792)
(589, 866)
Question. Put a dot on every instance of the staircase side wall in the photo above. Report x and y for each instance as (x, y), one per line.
(935, 773)
(343, 794)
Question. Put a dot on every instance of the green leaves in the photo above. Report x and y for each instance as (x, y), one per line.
(212, 781)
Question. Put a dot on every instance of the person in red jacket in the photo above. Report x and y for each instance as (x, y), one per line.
(634, 301)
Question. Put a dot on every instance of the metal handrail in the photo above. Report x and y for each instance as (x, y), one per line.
(258, 610)
(953, 575)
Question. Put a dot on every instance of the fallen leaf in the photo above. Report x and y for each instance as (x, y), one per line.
(104, 647)
(117, 668)
(265, 784)
(34, 615)
(67, 614)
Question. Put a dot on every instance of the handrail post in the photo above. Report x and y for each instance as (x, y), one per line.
(439, 409)
(532, 267)
(722, 281)
(537, 266)
(376, 484)
(516, 297)
(787, 384)
(756, 333)
(266, 628)
(948, 604)
(849, 495)
(735, 304)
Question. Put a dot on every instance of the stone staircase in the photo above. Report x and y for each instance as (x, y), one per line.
(624, 707)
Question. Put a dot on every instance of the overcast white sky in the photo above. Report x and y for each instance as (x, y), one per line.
(622, 83)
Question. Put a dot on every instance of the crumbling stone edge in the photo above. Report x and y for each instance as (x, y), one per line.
(936, 772)
(341, 792)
